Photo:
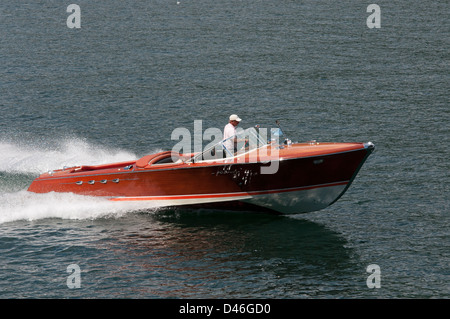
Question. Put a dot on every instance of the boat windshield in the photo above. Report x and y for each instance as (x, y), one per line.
(243, 142)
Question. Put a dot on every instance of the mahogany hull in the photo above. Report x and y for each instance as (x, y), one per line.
(307, 178)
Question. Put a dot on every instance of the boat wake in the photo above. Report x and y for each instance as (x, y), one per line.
(23, 205)
(43, 156)
(21, 163)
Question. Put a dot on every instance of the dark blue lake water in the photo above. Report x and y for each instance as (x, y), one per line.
(117, 87)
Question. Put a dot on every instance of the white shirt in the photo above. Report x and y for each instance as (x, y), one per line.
(229, 131)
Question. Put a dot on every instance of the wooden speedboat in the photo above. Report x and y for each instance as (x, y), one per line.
(287, 178)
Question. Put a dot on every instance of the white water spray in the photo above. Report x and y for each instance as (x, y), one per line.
(33, 159)
(16, 158)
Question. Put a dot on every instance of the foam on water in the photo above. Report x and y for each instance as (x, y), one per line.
(41, 157)
(24, 205)
(33, 159)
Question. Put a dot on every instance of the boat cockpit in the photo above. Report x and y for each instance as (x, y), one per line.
(243, 142)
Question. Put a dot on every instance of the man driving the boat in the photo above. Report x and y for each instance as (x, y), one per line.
(228, 132)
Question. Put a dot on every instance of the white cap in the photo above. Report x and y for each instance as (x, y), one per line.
(234, 117)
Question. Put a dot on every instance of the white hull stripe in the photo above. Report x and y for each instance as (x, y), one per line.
(204, 198)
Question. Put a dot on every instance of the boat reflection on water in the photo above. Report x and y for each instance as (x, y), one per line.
(181, 251)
